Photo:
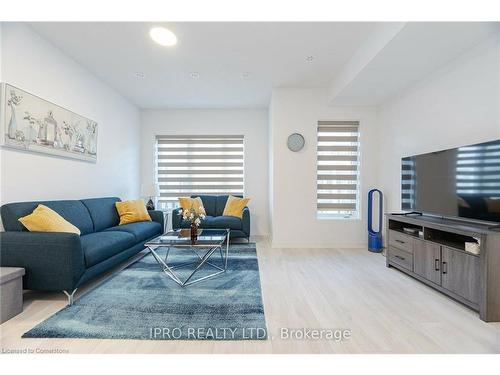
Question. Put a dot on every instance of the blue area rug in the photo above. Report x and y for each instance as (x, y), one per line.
(141, 302)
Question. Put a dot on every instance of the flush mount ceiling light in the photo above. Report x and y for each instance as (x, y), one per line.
(310, 58)
(163, 36)
(194, 75)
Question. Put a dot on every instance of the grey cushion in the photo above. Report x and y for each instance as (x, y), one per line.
(141, 230)
(100, 246)
(103, 212)
(73, 211)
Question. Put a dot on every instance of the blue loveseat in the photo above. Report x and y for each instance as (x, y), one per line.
(214, 207)
(64, 261)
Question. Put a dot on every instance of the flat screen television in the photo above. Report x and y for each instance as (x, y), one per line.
(462, 182)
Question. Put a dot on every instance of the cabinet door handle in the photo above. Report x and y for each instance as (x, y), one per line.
(436, 264)
(399, 257)
(400, 241)
(445, 268)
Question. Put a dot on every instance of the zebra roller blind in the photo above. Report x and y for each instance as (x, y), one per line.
(188, 165)
(338, 169)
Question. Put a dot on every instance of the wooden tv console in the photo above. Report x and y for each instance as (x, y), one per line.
(437, 257)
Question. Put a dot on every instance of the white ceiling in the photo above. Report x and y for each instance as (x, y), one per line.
(273, 54)
(416, 51)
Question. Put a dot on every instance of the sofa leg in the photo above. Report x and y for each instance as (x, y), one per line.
(71, 296)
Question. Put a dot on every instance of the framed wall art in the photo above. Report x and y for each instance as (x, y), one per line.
(30, 123)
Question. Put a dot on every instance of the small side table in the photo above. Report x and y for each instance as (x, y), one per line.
(11, 292)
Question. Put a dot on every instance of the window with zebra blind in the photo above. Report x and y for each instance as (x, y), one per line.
(338, 170)
(197, 165)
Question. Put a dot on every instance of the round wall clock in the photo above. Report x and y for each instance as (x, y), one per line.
(295, 142)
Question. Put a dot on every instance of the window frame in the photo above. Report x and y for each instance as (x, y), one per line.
(358, 200)
(240, 171)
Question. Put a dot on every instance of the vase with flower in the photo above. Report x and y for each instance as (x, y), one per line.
(194, 217)
(13, 102)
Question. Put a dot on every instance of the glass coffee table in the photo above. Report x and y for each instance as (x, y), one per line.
(208, 243)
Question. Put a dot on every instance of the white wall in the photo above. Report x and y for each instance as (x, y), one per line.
(251, 123)
(1, 26)
(31, 63)
(293, 175)
(270, 142)
(457, 105)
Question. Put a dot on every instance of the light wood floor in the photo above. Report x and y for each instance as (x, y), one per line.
(386, 311)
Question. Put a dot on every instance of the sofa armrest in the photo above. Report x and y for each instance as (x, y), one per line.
(245, 221)
(52, 261)
(176, 218)
(157, 216)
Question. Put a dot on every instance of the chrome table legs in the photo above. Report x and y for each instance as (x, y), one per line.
(202, 260)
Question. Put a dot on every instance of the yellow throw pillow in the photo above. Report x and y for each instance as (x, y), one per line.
(235, 206)
(196, 204)
(43, 219)
(132, 211)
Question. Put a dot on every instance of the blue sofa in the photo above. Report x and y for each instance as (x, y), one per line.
(64, 261)
(214, 207)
